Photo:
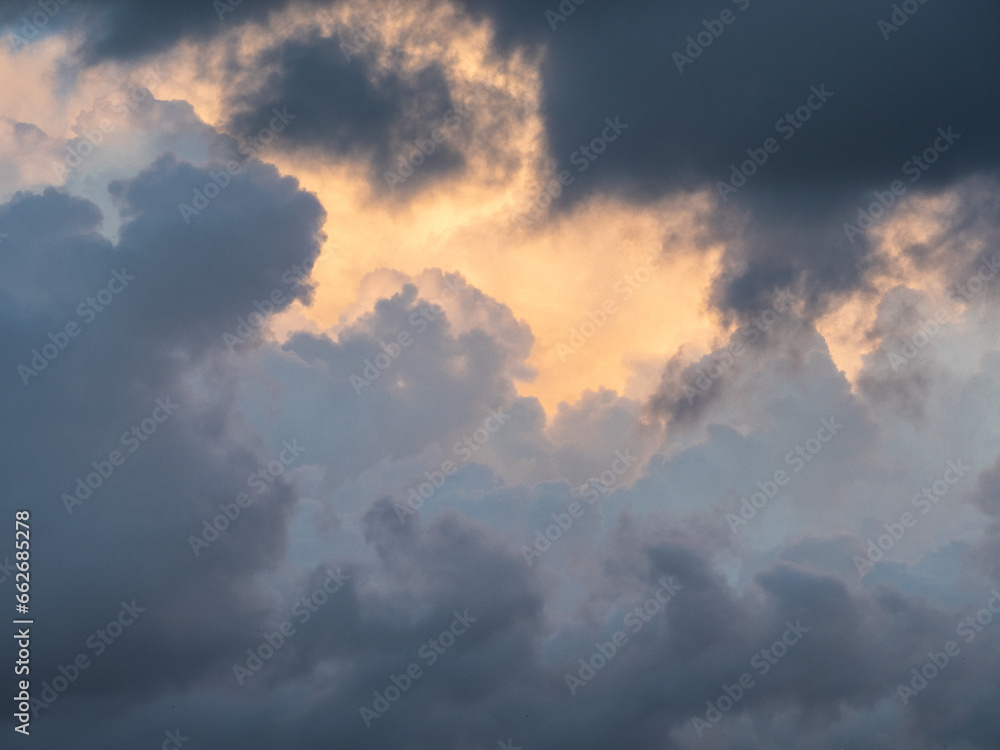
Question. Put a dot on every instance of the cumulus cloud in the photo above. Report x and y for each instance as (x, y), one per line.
(262, 525)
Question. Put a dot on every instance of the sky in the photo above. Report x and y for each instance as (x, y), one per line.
(466, 374)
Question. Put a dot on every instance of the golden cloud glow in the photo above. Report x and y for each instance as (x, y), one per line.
(556, 273)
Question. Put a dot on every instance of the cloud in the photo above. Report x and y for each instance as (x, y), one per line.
(157, 334)
(172, 267)
(343, 105)
(118, 30)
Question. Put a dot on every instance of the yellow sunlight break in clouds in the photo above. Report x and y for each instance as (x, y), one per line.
(560, 273)
(552, 273)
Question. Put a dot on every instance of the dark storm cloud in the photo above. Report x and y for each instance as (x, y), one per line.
(506, 676)
(56, 258)
(851, 648)
(339, 102)
(346, 107)
(123, 30)
(888, 97)
(203, 613)
(195, 274)
(686, 129)
(204, 270)
(175, 288)
(882, 101)
(162, 337)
